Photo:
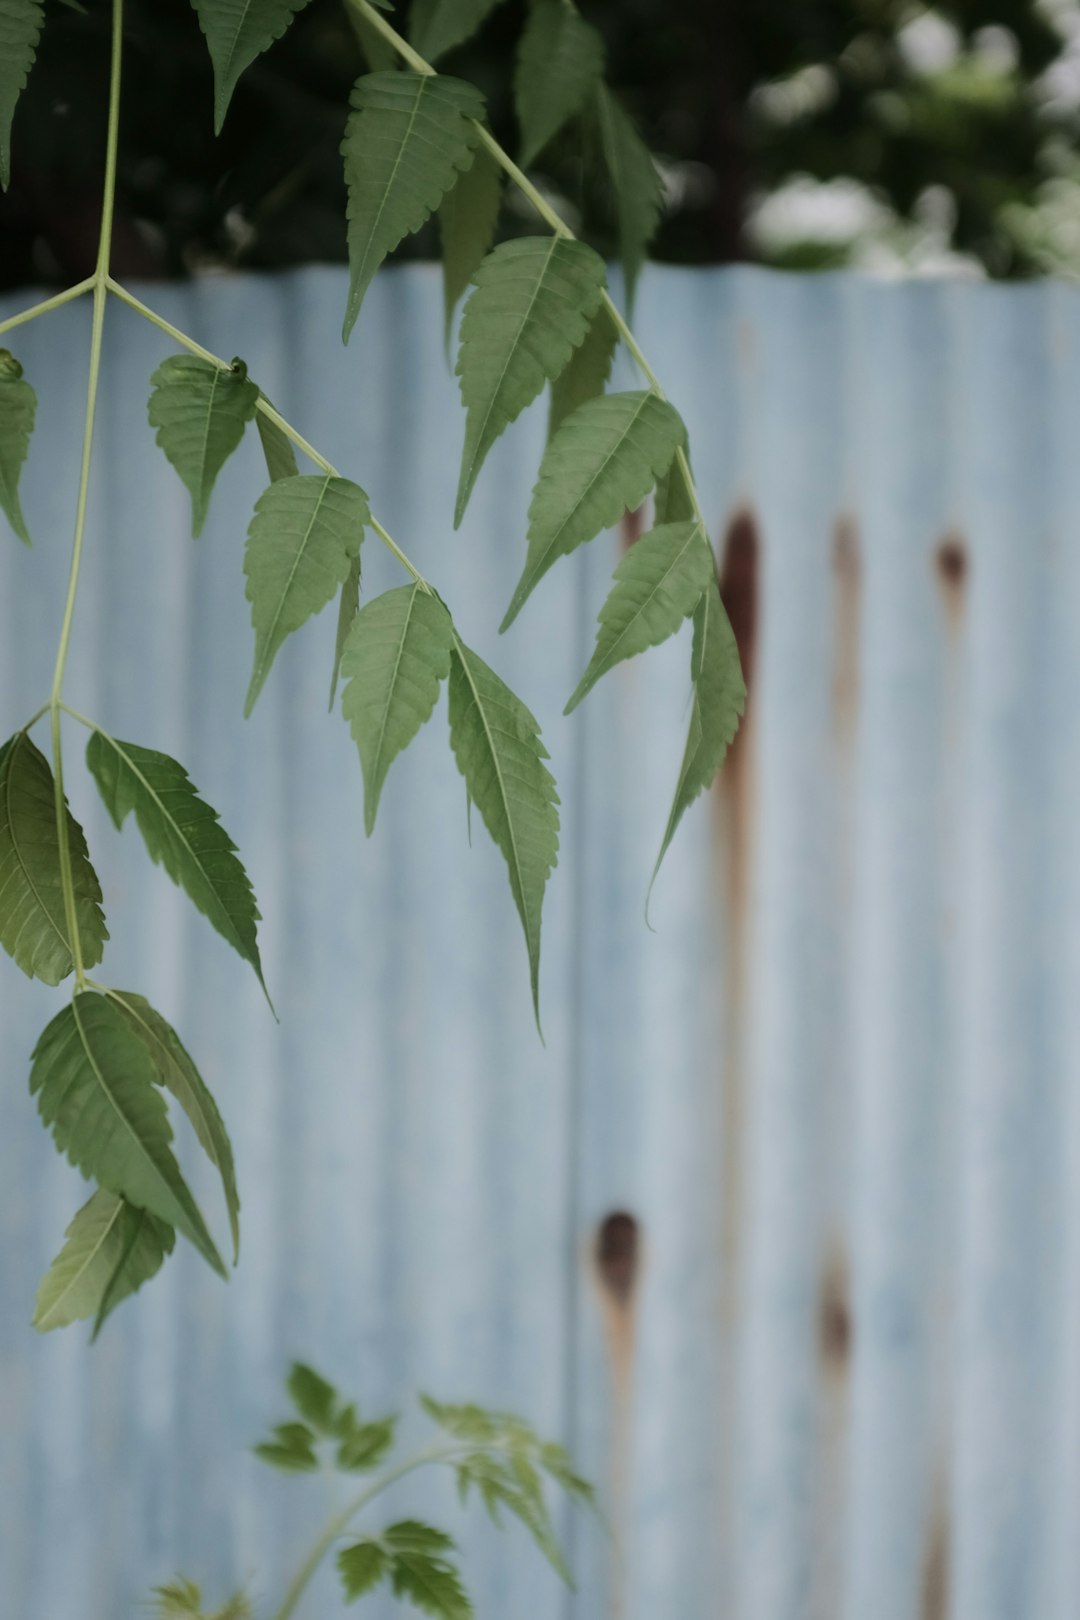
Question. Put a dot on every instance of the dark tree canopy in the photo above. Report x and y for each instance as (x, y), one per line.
(962, 111)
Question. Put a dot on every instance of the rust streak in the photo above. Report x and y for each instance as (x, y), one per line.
(936, 1568)
(952, 566)
(836, 1328)
(847, 569)
(617, 1266)
(631, 527)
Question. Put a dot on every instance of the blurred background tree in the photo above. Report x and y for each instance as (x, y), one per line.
(805, 133)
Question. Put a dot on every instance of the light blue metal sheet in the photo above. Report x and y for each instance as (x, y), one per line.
(838, 1089)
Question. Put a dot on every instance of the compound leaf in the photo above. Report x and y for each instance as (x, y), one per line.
(496, 743)
(181, 833)
(586, 374)
(560, 63)
(200, 411)
(20, 29)
(408, 137)
(33, 924)
(18, 405)
(397, 653)
(94, 1079)
(467, 221)
(365, 1445)
(111, 1249)
(635, 185)
(658, 583)
(362, 1567)
(314, 1398)
(719, 700)
(603, 460)
(530, 309)
(436, 26)
(278, 452)
(674, 501)
(237, 31)
(178, 1074)
(302, 541)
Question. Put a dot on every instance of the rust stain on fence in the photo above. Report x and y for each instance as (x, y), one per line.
(934, 1603)
(836, 1327)
(952, 567)
(630, 529)
(617, 1264)
(847, 570)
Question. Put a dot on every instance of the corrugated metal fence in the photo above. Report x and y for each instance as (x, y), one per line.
(781, 1231)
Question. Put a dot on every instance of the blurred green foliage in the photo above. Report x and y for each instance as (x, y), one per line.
(957, 124)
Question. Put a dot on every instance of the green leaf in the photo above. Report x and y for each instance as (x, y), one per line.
(111, 1249)
(512, 1484)
(179, 1600)
(348, 608)
(178, 1074)
(33, 924)
(657, 585)
(530, 309)
(20, 29)
(313, 1397)
(464, 1422)
(302, 541)
(436, 26)
(237, 31)
(200, 412)
(292, 1449)
(587, 373)
(674, 497)
(366, 1446)
(635, 185)
(18, 405)
(277, 449)
(467, 222)
(408, 137)
(496, 743)
(556, 1460)
(560, 64)
(719, 700)
(362, 1567)
(430, 1584)
(397, 653)
(603, 461)
(181, 832)
(95, 1084)
(409, 1535)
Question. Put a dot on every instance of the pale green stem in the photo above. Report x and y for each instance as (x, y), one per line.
(549, 215)
(99, 284)
(266, 409)
(46, 305)
(341, 1521)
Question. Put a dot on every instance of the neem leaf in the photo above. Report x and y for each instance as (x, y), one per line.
(658, 583)
(18, 404)
(362, 1566)
(178, 1074)
(111, 1249)
(302, 541)
(277, 449)
(719, 700)
(529, 310)
(408, 137)
(314, 1398)
(181, 832)
(95, 1083)
(560, 63)
(674, 502)
(436, 26)
(33, 924)
(348, 608)
(603, 460)
(635, 184)
(467, 220)
(496, 743)
(237, 31)
(586, 374)
(200, 411)
(20, 29)
(396, 655)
